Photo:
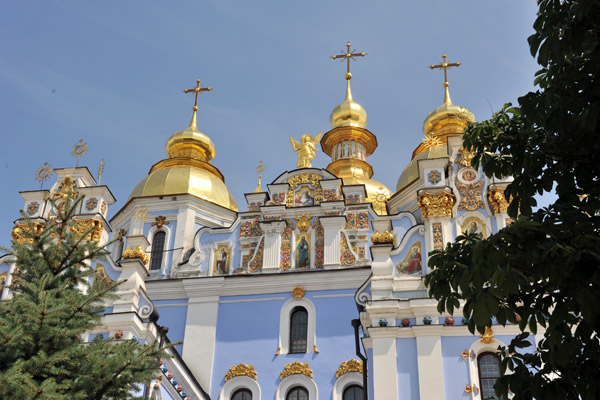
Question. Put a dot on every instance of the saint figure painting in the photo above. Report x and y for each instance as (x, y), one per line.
(221, 261)
(411, 265)
(303, 252)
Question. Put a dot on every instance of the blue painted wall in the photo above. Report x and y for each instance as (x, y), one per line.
(408, 376)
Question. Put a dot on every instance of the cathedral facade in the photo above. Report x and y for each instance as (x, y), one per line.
(316, 289)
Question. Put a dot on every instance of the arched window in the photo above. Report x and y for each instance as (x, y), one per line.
(297, 393)
(158, 246)
(242, 394)
(353, 392)
(298, 330)
(489, 371)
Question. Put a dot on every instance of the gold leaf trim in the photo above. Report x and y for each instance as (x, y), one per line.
(349, 366)
(436, 205)
(138, 252)
(488, 336)
(296, 368)
(240, 370)
(382, 238)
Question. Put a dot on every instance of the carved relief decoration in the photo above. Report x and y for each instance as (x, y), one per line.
(241, 370)
(296, 368)
(303, 223)
(464, 157)
(286, 246)
(319, 244)
(436, 205)
(470, 196)
(138, 252)
(296, 180)
(94, 227)
(498, 200)
(382, 238)
(257, 262)
(346, 256)
(298, 292)
(65, 188)
(488, 336)
(438, 236)
(349, 366)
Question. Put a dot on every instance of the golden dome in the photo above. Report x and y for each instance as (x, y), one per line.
(348, 113)
(187, 170)
(446, 120)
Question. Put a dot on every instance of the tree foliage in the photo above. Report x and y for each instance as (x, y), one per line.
(56, 300)
(543, 269)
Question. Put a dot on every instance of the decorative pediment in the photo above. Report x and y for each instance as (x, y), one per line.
(241, 370)
(296, 368)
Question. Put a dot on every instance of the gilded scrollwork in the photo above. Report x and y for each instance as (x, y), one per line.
(498, 200)
(94, 227)
(296, 180)
(20, 232)
(488, 336)
(240, 370)
(68, 187)
(349, 366)
(296, 368)
(436, 205)
(298, 292)
(382, 238)
(464, 157)
(138, 252)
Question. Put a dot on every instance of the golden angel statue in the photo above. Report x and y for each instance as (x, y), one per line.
(306, 149)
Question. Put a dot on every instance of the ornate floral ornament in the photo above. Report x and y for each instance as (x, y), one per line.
(94, 227)
(240, 370)
(32, 208)
(470, 196)
(296, 368)
(434, 177)
(380, 201)
(488, 336)
(349, 366)
(472, 389)
(20, 232)
(466, 355)
(303, 223)
(382, 238)
(298, 292)
(160, 221)
(498, 200)
(296, 180)
(138, 252)
(91, 203)
(436, 205)
(465, 156)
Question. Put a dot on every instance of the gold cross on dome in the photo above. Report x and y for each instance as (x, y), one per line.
(445, 65)
(197, 91)
(349, 55)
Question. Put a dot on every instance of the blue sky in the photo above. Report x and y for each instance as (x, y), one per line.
(112, 73)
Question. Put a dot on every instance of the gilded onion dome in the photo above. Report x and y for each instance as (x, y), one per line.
(187, 170)
(446, 120)
(348, 144)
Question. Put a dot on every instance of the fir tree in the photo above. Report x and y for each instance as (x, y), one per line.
(55, 301)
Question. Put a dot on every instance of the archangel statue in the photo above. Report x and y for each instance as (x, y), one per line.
(306, 149)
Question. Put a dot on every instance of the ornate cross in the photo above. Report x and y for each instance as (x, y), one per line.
(348, 56)
(197, 90)
(445, 65)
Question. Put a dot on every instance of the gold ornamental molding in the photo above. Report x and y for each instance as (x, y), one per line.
(465, 156)
(488, 336)
(241, 370)
(498, 200)
(298, 292)
(349, 366)
(436, 205)
(138, 252)
(68, 187)
(296, 368)
(382, 238)
(303, 223)
(21, 231)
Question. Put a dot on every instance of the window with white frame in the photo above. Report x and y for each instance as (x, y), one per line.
(157, 252)
(488, 365)
(295, 387)
(297, 393)
(297, 326)
(242, 394)
(240, 388)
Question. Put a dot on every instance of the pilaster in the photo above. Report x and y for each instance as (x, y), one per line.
(332, 226)
(272, 251)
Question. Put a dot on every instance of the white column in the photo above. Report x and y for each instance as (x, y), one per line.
(382, 282)
(385, 371)
(272, 250)
(184, 234)
(429, 361)
(332, 227)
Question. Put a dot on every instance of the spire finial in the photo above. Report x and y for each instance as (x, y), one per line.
(259, 168)
(79, 149)
(348, 55)
(445, 65)
(100, 171)
(197, 91)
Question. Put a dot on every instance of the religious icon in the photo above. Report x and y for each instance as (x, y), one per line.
(303, 252)
(474, 225)
(306, 149)
(469, 175)
(304, 196)
(412, 263)
(102, 277)
(222, 261)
